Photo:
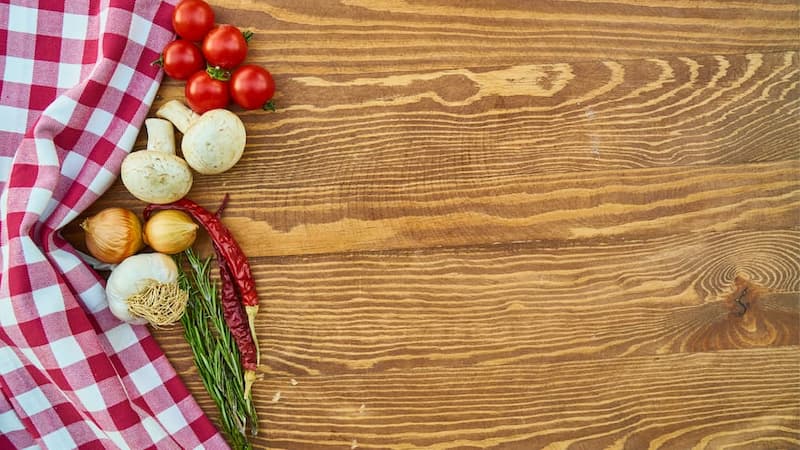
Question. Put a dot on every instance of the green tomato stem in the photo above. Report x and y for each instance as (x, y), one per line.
(218, 73)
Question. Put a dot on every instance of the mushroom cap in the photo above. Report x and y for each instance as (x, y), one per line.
(156, 177)
(214, 142)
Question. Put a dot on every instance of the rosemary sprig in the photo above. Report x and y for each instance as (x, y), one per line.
(215, 353)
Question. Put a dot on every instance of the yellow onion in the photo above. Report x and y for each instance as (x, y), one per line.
(170, 231)
(113, 234)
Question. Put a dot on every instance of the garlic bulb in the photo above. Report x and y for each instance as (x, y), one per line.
(113, 234)
(170, 231)
(144, 288)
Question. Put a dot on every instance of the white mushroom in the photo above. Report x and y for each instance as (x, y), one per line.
(213, 142)
(177, 113)
(156, 175)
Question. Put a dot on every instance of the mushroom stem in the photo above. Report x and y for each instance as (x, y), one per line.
(160, 136)
(179, 114)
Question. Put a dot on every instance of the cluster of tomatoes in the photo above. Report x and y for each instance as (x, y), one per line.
(213, 69)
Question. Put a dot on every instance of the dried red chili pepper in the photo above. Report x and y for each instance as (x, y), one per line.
(235, 316)
(231, 306)
(238, 285)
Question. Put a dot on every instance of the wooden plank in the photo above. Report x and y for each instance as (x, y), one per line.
(598, 205)
(526, 304)
(358, 36)
(598, 344)
(473, 124)
(593, 205)
(738, 398)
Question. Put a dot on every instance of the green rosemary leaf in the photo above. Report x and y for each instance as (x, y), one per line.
(215, 353)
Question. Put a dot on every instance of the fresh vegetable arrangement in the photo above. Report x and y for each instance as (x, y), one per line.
(150, 287)
(238, 286)
(209, 58)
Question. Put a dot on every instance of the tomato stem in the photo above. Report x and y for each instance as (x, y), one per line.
(269, 106)
(218, 73)
(247, 35)
(159, 62)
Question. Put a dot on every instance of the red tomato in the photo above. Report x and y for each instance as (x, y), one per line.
(251, 86)
(192, 19)
(181, 59)
(204, 93)
(225, 46)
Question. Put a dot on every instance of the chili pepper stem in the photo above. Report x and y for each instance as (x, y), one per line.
(250, 375)
(249, 379)
(252, 311)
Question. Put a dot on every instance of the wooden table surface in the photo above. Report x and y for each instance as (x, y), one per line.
(518, 224)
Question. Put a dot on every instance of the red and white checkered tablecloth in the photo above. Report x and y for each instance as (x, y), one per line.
(75, 86)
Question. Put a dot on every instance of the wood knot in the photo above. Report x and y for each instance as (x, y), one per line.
(751, 316)
(744, 297)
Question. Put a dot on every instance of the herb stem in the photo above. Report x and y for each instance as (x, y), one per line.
(215, 353)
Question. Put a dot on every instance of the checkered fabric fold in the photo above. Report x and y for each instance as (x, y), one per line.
(76, 86)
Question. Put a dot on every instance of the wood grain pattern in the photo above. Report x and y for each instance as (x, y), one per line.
(512, 224)
(728, 399)
(358, 36)
(527, 304)
(556, 207)
(522, 120)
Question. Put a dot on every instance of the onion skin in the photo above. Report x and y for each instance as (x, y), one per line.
(113, 234)
(170, 231)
